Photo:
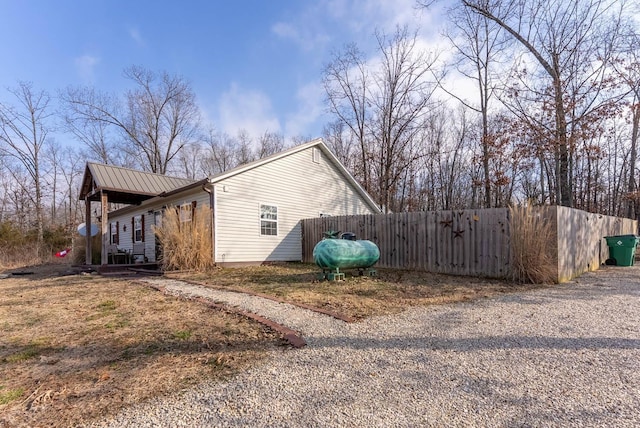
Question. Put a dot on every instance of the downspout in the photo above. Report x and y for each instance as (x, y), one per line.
(209, 187)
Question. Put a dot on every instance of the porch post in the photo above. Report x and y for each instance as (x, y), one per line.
(87, 222)
(210, 188)
(104, 200)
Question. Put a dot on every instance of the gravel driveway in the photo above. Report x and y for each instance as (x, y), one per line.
(565, 356)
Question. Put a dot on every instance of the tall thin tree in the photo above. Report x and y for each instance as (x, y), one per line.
(24, 129)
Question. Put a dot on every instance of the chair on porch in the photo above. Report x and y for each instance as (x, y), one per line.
(112, 250)
(138, 250)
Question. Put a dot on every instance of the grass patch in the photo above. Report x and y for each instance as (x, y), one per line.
(103, 344)
(182, 334)
(31, 350)
(389, 292)
(107, 305)
(23, 355)
(7, 397)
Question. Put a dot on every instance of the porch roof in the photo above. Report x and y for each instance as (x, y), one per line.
(124, 185)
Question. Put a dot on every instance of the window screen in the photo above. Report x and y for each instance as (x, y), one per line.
(268, 220)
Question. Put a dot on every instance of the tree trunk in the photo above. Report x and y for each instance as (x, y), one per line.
(633, 200)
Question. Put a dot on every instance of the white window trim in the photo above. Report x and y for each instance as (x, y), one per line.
(114, 231)
(186, 208)
(260, 219)
(137, 221)
(157, 217)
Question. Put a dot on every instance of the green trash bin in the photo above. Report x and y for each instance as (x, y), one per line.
(622, 249)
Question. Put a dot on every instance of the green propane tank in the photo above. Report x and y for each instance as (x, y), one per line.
(345, 253)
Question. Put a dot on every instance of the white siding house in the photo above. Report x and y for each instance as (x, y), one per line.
(257, 207)
(303, 184)
(124, 221)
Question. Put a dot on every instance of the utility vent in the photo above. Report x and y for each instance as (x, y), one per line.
(316, 155)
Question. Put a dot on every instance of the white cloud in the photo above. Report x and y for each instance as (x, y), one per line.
(134, 33)
(251, 110)
(310, 110)
(307, 37)
(85, 66)
(322, 24)
(367, 15)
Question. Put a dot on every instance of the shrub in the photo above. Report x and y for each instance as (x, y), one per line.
(58, 238)
(20, 247)
(186, 245)
(532, 246)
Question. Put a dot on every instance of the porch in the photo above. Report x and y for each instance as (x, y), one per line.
(108, 184)
(127, 269)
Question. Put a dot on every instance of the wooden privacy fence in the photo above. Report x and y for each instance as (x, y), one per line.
(466, 242)
(472, 242)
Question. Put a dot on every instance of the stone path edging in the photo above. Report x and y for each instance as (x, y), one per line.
(335, 315)
(291, 336)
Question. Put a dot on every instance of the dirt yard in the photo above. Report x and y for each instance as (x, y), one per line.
(74, 347)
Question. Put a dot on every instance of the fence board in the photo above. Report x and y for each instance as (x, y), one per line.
(454, 242)
(471, 242)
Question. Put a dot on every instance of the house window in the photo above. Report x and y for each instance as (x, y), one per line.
(114, 233)
(268, 220)
(316, 155)
(137, 228)
(186, 213)
(157, 218)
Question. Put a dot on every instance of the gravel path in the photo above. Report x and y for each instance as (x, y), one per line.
(565, 356)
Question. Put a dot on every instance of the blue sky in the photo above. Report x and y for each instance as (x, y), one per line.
(254, 65)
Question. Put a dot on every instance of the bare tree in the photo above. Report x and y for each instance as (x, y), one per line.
(92, 132)
(478, 44)
(53, 155)
(627, 69)
(346, 81)
(270, 143)
(23, 134)
(569, 40)
(383, 107)
(244, 152)
(342, 143)
(72, 168)
(156, 119)
(220, 153)
(189, 161)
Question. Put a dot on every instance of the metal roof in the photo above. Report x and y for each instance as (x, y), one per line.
(318, 143)
(124, 185)
(129, 186)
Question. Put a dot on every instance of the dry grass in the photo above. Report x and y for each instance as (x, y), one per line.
(21, 255)
(186, 245)
(358, 296)
(79, 254)
(74, 348)
(532, 246)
